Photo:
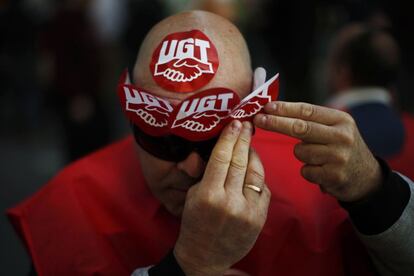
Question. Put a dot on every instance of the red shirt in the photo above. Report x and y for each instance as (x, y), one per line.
(404, 161)
(98, 217)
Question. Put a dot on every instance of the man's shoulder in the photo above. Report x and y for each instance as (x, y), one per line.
(113, 164)
(118, 150)
(115, 156)
(86, 205)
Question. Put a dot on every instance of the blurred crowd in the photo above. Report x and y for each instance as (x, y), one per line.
(60, 62)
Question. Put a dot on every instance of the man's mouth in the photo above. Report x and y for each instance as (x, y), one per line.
(181, 189)
(185, 184)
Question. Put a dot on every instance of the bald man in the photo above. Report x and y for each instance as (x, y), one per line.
(173, 201)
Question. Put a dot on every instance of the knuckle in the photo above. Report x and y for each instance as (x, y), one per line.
(238, 162)
(300, 128)
(339, 177)
(221, 156)
(343, 177)
(211, 196)
(208, 199)
(271, 122)
(233, 212)
(205, 204)
(343, 157)
(340, 158)
(307, 110)
(244, 140)
(348, 119)
(347, 137)
(255, 175)
(281, 107)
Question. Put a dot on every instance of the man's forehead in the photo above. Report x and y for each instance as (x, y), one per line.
(177, 98)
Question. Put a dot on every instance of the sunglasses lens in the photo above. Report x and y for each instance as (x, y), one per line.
(172, 148)
(205, 148)
(169, 148)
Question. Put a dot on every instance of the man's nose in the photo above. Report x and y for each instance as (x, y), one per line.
(193, 165)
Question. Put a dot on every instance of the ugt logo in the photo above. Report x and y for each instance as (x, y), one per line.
(184, 62)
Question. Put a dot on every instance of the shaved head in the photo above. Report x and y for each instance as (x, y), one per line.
(234, 71)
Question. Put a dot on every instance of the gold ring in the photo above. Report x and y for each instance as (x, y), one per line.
(254, 188)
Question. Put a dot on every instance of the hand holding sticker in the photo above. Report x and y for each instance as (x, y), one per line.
(253, 103)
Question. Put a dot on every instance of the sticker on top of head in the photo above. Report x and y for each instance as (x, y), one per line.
(184, 61)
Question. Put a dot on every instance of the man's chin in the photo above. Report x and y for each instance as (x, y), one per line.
(176, 211)
(175, 205)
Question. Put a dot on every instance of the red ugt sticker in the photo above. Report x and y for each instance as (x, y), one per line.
(184, 61)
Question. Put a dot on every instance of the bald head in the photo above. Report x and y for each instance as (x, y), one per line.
(366, 56)
(234, 71)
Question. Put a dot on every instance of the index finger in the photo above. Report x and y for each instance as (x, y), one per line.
(305, 111)
(220, 158)
(306, 131)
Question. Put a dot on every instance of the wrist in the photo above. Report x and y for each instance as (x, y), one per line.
(167, 266)
(374, 181)
(191, 265)
(378, 212)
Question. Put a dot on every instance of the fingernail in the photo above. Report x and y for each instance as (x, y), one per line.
(236, 125)
(273, 106)
(260, 119)
(247, 126)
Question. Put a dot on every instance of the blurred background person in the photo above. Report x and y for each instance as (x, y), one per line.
(70, 43)
(363, 65)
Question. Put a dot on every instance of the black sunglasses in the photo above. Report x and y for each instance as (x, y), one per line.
(172, 148)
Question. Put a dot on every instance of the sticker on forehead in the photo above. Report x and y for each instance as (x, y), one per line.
(184, 61)
(199, 117)
(203, 113)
